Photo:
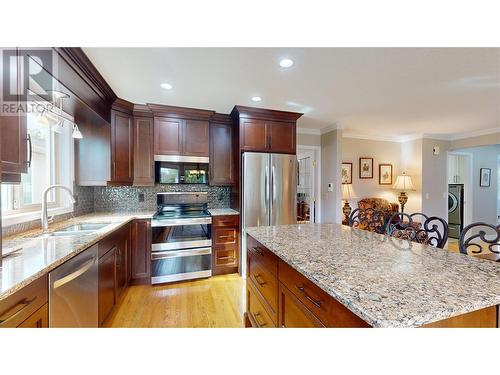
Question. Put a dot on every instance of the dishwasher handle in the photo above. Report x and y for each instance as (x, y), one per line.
(74, 275)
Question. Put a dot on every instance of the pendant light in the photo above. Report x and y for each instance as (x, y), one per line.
(76, 132)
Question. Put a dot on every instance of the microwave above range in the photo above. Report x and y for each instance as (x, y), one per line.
(181, 169)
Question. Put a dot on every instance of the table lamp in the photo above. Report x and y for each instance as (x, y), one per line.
(347, 194)
(404, 184)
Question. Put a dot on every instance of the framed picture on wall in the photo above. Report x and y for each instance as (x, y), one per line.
(365, 168)
(347, 173)
(485, 177)
(385, 174)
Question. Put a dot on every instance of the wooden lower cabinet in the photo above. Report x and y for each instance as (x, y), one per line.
(39, 319)
(225, 240)
(293, 313)
(122, 260)
(256, 312)
(140, 252)
(107, 284)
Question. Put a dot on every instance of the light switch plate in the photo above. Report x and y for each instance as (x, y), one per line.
(435, 150)
(330, 186)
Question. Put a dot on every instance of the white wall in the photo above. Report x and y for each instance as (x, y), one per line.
(404, 157)
(483, 198)
(331, 161)
(434, 178)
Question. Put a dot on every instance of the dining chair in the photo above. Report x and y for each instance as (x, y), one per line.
(481, 239)
(418, 227)
(368, 219)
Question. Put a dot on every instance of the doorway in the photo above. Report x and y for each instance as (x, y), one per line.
(308, 164)
(460, 190)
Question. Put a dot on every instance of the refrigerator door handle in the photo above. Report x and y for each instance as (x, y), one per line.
(273, 187)
(266, 183)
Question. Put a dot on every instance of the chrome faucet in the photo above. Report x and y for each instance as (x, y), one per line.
(45, 219)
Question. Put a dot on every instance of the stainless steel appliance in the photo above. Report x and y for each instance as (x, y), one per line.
(269, 192)
(182, 238)
(170, 169)
(455, 209)
(73, 292)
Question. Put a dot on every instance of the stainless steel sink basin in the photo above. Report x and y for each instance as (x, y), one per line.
(75, 230)
(84, 227)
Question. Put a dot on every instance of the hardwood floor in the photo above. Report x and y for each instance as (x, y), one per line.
(207, 303)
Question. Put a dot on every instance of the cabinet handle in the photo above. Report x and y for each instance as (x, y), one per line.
(30, 158)
(313, 301)
(259, 324)
(257, 277)
(226, 236)
(258, 251)
(225, 258)
(24, 303)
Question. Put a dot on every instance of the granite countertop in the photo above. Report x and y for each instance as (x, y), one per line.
(39, 256)
(222, 211)
(385, 281)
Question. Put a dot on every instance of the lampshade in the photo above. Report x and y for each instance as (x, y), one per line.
(348, 192)
(403, 183)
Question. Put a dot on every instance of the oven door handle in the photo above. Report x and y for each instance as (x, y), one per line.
(155, 223)
(180, 253)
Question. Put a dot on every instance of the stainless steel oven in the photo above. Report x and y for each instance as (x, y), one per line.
(181, 238)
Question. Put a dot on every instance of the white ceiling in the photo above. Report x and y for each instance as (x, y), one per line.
(387, 92)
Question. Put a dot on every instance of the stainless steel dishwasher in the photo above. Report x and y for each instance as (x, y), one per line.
(73, 292)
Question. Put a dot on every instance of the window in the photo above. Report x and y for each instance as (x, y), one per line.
(51, 164)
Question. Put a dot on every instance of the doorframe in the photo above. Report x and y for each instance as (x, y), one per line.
(469, 191)
(317, 175)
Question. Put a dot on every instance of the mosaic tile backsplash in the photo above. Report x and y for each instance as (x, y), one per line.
(128, 198)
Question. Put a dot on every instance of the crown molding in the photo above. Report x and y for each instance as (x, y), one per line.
(476, 133)
(399, 139)
(309, 131)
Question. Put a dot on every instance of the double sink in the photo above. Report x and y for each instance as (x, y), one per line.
(75, 230)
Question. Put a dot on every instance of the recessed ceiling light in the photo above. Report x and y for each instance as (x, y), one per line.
(286, 63)
(256, 98)
(166, 86)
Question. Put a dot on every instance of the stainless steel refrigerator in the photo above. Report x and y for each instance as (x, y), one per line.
(269, 192)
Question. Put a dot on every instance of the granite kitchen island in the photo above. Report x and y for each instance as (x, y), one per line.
(311, 273)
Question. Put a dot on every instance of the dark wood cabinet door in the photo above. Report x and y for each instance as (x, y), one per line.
(144, 172)
(168, 136)
(121, 266)
(253, 135)
(195, 138)
(282, 137)
(292, 313)
(39, 319)
(222, 171)
(257, 314)
(13, 130)
(122, 148)
(141, 251)
(107, 284)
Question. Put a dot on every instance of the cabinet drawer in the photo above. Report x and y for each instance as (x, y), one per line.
(225, 236)
(226, 221)
(331, 312)
(257, 314)
(293, 313)
(39, 319)
(18, 307)
(225, 256)
(266, 284)
(259, 253)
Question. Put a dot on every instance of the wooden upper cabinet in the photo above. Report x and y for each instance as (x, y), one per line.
(168, 136)
(282, 137)
(222, 160)
(144, 173)
(265, 130)
(254, 135)
(181, 131)
(122, 143)
(13, 129)
(195, 138)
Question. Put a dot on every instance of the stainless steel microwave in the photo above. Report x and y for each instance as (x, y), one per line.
(181, 170)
